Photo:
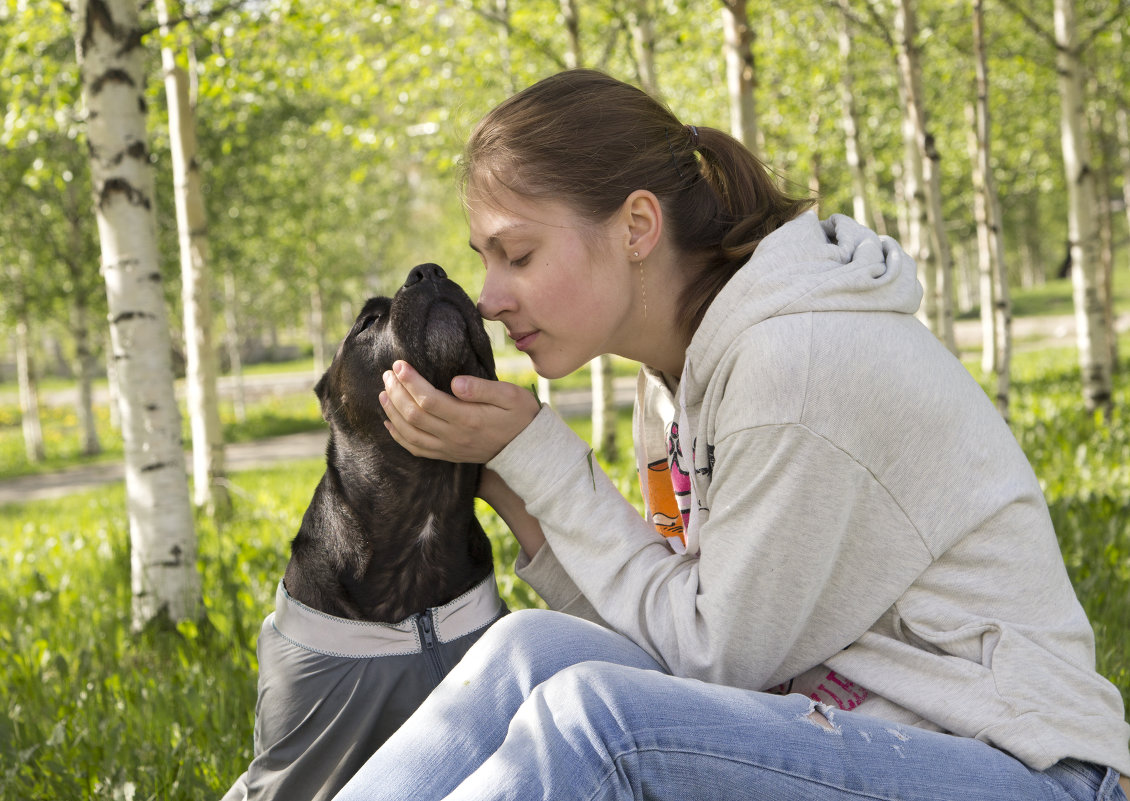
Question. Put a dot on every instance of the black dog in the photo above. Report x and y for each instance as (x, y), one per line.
(391, 577)
(388, 534)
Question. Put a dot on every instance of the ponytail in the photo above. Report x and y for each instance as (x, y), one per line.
(724, 217)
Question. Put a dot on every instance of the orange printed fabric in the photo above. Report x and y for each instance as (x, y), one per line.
(662, 505)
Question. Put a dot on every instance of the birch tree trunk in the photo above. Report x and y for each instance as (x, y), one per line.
(741, 74)
(502, 14)
(604, 424)
(87, 370)
(209, 485)
(1122, 133)
(1122, 129)
(164, 578)
(913, 177)
(232, 341)
(989, 200)
(28, 390)
(1106, 241)
(984, 246)
(86, 363)
(943, 282)
(862, 208)
(928, 234)
(572, 16)
(642, 27)
(1082, 222)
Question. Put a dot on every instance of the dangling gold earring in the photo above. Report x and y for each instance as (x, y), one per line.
(643, 286)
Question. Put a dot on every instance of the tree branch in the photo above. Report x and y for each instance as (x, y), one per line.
(877, 25)
(1117, 14)
(192, 19)
(536, 43)
(1032, 23)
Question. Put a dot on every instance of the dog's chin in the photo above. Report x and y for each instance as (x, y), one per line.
(452, 346)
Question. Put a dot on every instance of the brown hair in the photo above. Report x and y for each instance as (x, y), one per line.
(589, 140)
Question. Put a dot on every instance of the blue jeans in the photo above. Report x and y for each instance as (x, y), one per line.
(549, 706)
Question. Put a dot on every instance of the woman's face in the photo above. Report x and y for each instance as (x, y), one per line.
(562, 286)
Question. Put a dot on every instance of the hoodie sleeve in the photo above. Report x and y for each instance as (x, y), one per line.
(794, 523)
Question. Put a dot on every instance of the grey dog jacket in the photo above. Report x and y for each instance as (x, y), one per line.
(332, 690)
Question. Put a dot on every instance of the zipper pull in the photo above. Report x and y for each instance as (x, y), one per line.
(426, 629)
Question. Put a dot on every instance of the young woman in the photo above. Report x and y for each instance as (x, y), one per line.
(846, 584)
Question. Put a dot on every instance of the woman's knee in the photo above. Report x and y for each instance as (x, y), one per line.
(532, 645)
(595, 702)
(523, 645)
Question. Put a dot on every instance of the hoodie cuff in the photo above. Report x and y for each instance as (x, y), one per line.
(536, 459)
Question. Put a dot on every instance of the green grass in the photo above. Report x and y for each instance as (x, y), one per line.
(95, 712)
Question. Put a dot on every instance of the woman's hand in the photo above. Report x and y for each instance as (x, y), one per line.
(481, 420)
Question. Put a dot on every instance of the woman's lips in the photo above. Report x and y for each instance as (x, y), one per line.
(523, 341)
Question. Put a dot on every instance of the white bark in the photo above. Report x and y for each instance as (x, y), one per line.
(235, 371)
(862, 208)
(929, 241)
(1122, 127)
(989, 205)
(984, 249)
(917, 239)
(571, 14)
(165, 581)
(209, 487)
(642, 27)
(86, 364)
(741, 74)
(603, 410)
(1082, 220)
(943, 284)
(29, 392)
(87, 371)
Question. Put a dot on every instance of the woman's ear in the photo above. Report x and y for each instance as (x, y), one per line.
(643, 217)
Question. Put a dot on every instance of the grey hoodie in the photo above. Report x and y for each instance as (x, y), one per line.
(858, 511)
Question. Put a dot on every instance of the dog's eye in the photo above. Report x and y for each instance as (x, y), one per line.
(367, 322)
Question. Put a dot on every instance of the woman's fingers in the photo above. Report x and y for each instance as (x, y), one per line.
(471, 427)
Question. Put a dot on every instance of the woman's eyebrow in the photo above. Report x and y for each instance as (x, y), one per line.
(494, 241)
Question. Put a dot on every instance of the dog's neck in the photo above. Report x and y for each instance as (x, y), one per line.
(404, 536)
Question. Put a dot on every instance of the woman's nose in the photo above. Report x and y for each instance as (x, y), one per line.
(494, 299)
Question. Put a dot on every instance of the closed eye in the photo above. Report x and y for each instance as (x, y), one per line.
(521, 261)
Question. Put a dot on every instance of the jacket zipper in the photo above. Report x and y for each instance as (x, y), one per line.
(425, 624)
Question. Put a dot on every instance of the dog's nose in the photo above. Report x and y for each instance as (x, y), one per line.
(431, 272)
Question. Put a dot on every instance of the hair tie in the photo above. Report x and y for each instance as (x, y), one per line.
(694, 136)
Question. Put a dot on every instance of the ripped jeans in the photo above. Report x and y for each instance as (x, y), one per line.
(549, 706)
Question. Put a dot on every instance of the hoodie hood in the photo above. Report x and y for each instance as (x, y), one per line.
(805, 266)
